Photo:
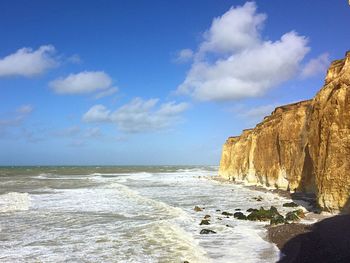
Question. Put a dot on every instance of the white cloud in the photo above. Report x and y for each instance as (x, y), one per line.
(237, 29)
(316, 66)
(97, 113)
(234, 62)
(138, 115)
(28, 62)
(184, 56)
(82, 83)
(106, 93)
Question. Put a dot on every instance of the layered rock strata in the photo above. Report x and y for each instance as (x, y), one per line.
(303, 146)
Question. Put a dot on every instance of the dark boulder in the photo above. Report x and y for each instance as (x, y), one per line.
(207, 231)
(291, 204)
(263, 214)
(227, 213)
(204, 222)
(239, 215)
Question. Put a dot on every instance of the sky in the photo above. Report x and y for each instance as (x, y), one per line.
(154, 82)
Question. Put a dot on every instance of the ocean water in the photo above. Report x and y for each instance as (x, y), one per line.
(127, 214)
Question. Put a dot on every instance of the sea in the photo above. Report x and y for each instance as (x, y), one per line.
(129, 214)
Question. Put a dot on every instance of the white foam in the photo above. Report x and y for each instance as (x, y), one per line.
(14, 201)
(165, 208)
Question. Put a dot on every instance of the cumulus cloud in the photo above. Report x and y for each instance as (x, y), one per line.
(138, 115)
(184, 56)
(28, 62)
(316, 66)
(82, 83)
(235, 62)
(237, 29)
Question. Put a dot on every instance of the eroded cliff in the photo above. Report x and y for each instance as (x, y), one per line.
(303, 146)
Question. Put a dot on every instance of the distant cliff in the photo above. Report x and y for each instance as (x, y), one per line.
(303, 146)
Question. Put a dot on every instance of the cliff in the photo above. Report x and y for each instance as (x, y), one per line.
(303, 146)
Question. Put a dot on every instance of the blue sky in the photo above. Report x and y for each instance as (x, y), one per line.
(154, 82)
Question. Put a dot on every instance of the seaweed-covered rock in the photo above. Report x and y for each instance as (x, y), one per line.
(277, 219)
(207, 231)
(291, 204)
(239, 215)
(252, 210)
(300, 213)
(263, 214)
(227, 213)
(292, 216)
(238, 209)
(204, 222)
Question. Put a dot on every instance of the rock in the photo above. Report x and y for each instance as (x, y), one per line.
(228, 226)
(207, 231)
(302, 146)
(239, 215)
(263, 214)
(186, 261)
(227, 213)
(291, 204)
(197, 209)
(219, 218)
(274, 210)
(278, 219)
(238, 209)
(251, 210)
(300, 213)
(204, 222)
(259, 198)
(292, 216)
(217, 210)
(206, 216)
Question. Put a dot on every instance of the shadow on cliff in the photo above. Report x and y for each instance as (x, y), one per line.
(328, 241)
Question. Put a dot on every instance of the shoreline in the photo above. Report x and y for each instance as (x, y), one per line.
(306, 200)
(289, 238)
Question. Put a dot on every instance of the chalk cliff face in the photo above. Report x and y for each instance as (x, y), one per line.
(303, 146)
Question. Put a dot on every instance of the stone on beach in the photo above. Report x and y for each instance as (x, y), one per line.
(204, 222)
(197, 209)
(207, 231)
